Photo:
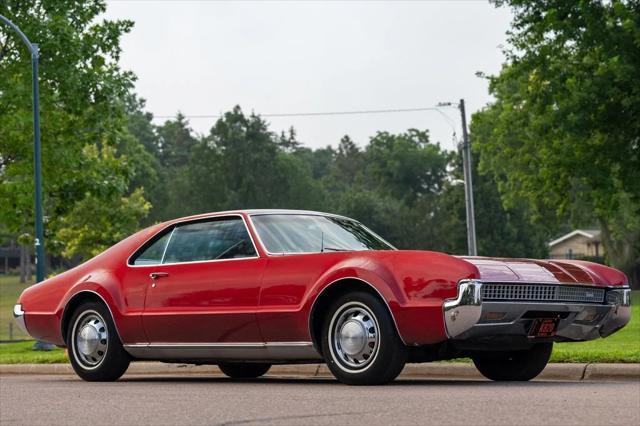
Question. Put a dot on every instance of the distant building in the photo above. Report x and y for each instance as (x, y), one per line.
(577, 244)
(9, 257)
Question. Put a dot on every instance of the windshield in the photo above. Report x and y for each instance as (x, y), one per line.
(293, 233)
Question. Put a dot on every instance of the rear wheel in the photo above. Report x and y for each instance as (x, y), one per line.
(516, 365)
(359, 341)
(244, 370)
(95, 351)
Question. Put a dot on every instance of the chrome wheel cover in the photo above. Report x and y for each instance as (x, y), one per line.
(354, 337)
(90, 339)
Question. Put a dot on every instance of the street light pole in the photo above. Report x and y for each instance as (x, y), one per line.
(465, 147)
(39, 240)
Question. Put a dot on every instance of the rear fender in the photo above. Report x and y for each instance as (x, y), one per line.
(105, 287)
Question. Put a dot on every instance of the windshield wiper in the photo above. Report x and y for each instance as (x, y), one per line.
(334, 249)
(323, 248)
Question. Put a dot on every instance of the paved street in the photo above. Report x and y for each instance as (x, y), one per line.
(34, 400)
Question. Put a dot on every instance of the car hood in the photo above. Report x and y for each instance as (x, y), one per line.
(546, 271)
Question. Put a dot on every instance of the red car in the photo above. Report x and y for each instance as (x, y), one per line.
(248, 289)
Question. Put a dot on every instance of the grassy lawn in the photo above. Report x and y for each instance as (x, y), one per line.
(22, 353)
(10, 289)
(623, 346)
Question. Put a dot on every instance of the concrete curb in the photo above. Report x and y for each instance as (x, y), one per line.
(441, 370)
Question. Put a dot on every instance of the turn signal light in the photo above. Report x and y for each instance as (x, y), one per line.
(495, 316)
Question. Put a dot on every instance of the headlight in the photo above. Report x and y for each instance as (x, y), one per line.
(620, 297)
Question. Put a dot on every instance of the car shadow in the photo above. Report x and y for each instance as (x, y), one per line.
(283, 380)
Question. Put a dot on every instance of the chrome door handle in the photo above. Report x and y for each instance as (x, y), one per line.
(156, 275)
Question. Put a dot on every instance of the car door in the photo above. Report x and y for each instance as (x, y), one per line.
(206, 287)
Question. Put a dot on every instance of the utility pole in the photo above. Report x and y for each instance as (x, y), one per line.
(468, 184)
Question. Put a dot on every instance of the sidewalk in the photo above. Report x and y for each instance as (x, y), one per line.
(455, 371)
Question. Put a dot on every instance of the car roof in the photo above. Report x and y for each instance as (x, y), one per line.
(256, 212)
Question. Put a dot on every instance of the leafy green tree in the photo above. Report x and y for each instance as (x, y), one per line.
(319, 160)
(139, 146)
(349, 162)
(240, 164)
(406, 166)
(564, 125)
(393, 185)
(175, 142)
(83, 93)
(501, 230)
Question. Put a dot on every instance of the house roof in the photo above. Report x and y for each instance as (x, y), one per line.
(588, 233)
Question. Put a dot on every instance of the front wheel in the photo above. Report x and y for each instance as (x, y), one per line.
(360, 342)
(95, 351)
(244, 370)
(514, 366)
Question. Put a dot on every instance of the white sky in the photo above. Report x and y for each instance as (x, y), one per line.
(204, 57)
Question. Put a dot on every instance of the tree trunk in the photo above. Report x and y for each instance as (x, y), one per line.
(29, 265)
(23, 266)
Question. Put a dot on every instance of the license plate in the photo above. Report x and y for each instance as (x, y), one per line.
(544, 327)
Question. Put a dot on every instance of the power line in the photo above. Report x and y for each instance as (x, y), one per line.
(448, 119)
(316, 114)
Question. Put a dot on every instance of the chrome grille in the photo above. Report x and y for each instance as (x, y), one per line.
(541, 293)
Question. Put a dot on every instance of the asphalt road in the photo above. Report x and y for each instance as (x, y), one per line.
(202, 400)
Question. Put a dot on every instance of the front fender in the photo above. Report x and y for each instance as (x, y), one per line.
(414, 285)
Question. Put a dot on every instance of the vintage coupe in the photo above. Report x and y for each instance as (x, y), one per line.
(248, 289)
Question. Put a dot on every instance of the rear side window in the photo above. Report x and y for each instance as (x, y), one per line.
(216, 239)
(152, 255)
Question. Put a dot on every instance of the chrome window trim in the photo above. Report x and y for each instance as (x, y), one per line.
(199, 219)
(164, 252)
(269, 253)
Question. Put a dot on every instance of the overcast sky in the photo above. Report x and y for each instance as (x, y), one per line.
(204, 57)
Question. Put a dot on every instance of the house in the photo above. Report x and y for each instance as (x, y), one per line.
(577, 244)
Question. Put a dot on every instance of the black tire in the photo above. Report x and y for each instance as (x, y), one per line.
(365, 359)
(104, 365)
(244, 370)
(514, 366)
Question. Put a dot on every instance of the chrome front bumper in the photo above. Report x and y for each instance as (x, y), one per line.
(468, 317)
(18, 316)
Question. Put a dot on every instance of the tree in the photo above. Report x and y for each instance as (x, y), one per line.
(240, 164)
(392, 185)
(564, 126)
(501, 230)
(83, 94)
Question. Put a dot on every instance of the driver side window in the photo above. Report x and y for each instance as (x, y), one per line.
(213, 239)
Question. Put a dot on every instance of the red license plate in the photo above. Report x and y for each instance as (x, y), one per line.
(544, 327)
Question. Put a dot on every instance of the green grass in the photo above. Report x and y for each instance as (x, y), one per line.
(22, 353)
(623, 346)
(10, 289)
